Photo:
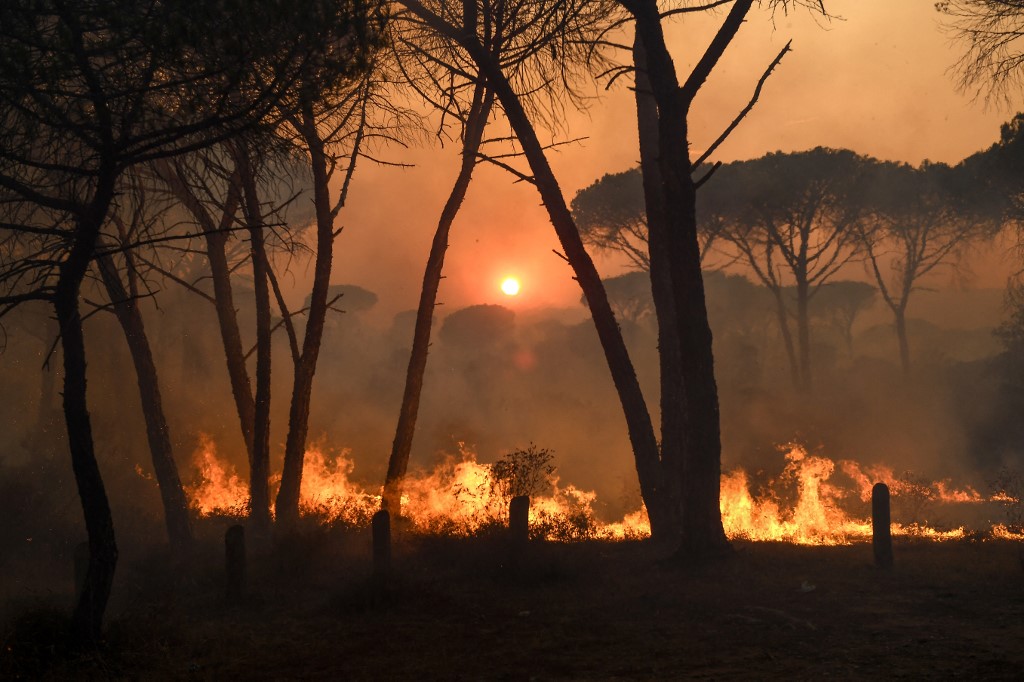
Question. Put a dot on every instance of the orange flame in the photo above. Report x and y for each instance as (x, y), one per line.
(218, 491)
(459, 497)
(940, 491)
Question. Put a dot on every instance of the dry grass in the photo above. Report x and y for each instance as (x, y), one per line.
(457, 609)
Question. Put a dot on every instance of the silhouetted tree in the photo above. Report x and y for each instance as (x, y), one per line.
(322, 120)
(220, 191)
(555, 37)
(521, 38)
(88, 90)
(992, 33)
(918, 219)
(132, 220)
(790, 216)
(681, 497)
(690, 435)
(840, 303)
(472, 137)
(330, 120)
(350, 298)
(611, 215)
(629, 296)
(478, 325)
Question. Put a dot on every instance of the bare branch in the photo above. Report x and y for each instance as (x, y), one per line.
(746, 110)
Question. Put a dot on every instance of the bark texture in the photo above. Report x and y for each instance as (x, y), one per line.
(700, 525)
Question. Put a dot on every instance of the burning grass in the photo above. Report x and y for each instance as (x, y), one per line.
(456, 607)
(813, 501)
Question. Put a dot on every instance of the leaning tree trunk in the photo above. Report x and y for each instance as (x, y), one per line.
(259, 456)
(287, 504)
(670, 361)
(231, 337)
(220, 273)
(398, 462)
(126, 309)
(87, 621)
(634, 407)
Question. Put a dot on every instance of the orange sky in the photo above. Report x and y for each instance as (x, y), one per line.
(875, 81)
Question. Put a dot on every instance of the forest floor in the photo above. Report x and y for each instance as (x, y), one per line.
(456, 609)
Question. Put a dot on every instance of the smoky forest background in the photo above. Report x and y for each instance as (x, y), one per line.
(174, 184)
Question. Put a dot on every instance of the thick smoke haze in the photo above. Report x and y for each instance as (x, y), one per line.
(861, 81)
(875, 79)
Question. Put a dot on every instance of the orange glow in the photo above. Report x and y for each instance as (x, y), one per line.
(803, 505)
(510, 286)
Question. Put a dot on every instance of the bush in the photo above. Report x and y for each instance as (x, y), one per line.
(1008, 489)
(522, 472)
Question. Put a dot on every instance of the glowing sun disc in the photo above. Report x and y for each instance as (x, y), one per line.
(510, 286)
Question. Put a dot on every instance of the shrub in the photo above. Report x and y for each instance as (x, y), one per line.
(1008, 489)
(522, 472)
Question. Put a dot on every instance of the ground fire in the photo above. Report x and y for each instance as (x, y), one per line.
(814, 501)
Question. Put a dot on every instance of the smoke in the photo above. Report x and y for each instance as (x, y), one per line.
(499, 379)
(545, 380)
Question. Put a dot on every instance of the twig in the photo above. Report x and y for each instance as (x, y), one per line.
(746, 110)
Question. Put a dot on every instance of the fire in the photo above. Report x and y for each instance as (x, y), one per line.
(1002, 532)
(803, 505)
(815, 518)
(941, 491)
(218, 490)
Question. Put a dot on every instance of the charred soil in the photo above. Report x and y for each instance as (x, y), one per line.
(465, 608)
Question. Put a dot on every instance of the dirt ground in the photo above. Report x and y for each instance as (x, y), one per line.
(463, 610)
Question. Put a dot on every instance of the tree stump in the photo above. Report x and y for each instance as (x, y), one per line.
(234, 547)
(81, 561)
(381, 528)
(519, 520)
(881, 525)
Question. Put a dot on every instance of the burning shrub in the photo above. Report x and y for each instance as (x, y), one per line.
(912, 498)
(571, 519)
(522, 472)
(1008, 490)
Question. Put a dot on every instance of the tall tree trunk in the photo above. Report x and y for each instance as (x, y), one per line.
(259, 458)
(398, 462)
(803, 326)
(670, 360)
(701, 519)
(634, 407)
(87, 621)
(782, 315)
(126, 309)
(287, 505)
(220, 272)
(227, 319)
(900, 315)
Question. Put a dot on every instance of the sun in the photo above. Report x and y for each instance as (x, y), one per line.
(510, 286)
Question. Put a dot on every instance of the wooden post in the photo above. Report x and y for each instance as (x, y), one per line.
(881, 525)
(234, 546)
(519, 520)
(381, 528)
(81, 561)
